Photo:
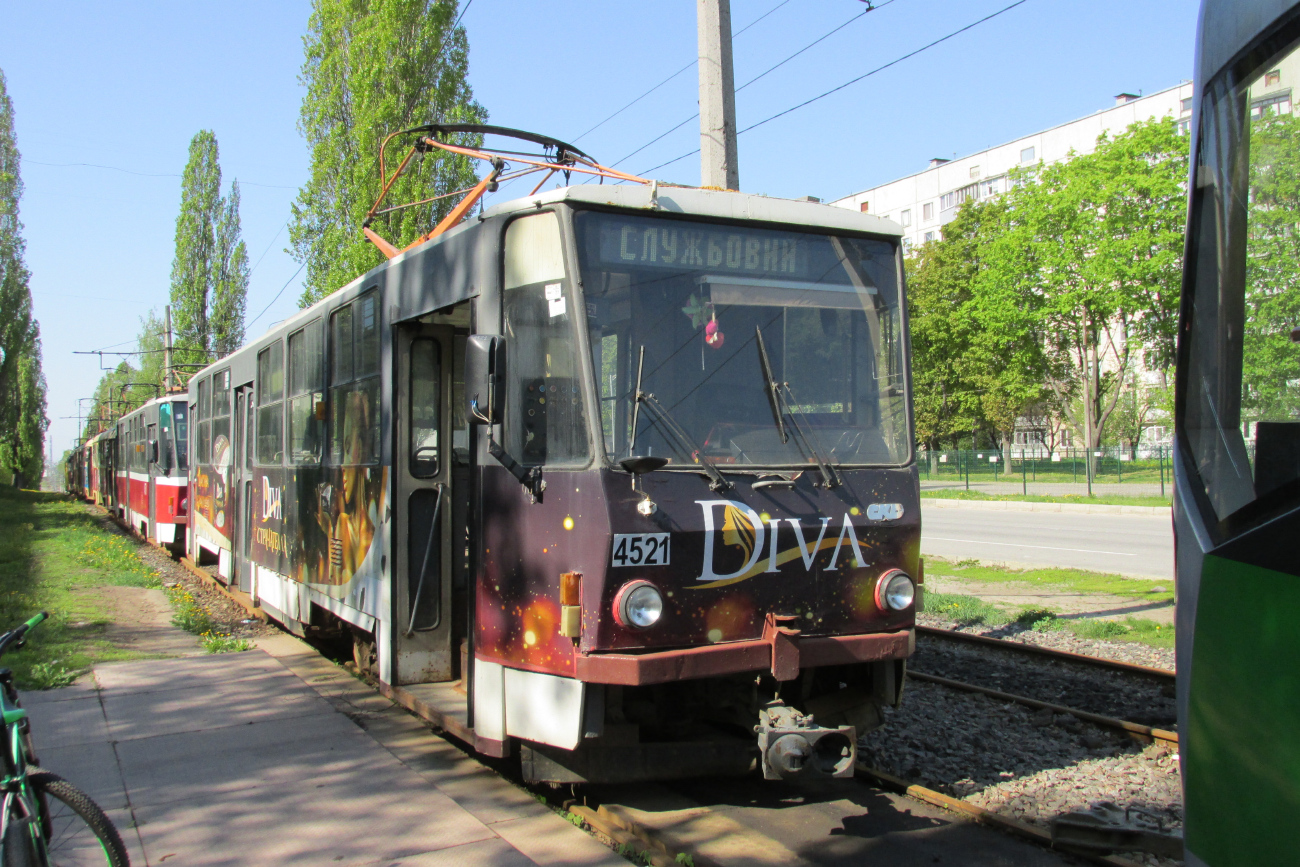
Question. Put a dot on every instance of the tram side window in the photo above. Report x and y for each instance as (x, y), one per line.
(204, 444)
(221, 453)
(181, 434)
(354, 382)
(270, 405)
(545, 420)
(306, 400)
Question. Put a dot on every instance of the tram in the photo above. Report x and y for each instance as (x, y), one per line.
(137, 469)
(1237, 470)
(616, 475)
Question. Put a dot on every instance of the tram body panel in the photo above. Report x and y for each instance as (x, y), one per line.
(1237, 468)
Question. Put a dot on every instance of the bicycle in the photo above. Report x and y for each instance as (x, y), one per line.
(46, 821)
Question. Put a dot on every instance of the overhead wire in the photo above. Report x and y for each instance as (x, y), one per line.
(852, 81)
(141, 174)
(277, 295)
(819, 39)
(677, 73)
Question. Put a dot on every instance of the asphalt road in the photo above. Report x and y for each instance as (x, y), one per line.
(1126, 544)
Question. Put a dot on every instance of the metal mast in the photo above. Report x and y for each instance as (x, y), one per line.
(167, 349)
(718, 163)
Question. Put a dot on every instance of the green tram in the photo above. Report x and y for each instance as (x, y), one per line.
(1237, 497)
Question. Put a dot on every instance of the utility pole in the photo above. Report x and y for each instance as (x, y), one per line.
(167, 349)
(718, 163)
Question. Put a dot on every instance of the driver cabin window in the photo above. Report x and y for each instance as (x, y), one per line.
(545, 421)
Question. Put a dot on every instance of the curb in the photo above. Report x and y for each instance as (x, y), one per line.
(1019, 506)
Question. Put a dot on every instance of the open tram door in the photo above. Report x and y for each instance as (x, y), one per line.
(1237, 464)
(425, 486)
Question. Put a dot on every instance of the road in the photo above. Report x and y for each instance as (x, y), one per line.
(1126, 544)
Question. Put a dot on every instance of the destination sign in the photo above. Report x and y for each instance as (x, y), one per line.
(645, 243)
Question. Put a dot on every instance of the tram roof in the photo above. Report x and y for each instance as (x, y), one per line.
(692, 201)
(1228, 26)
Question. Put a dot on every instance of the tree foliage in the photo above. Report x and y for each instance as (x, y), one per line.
(22, 383)
(371, 68)
(210, 271)
(1043, 301)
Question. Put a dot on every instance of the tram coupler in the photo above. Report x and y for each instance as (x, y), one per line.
(795, 748)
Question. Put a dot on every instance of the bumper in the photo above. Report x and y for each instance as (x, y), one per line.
(779, 651)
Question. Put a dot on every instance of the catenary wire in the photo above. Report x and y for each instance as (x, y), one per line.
(833, 90)
(141, 174)
(772, 68)
(677, 73)
(277, 296)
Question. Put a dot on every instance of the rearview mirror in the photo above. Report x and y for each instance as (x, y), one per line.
(485, 367)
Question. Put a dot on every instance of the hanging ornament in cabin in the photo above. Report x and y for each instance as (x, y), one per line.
(713, 335)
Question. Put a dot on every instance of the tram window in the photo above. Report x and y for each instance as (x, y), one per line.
(545, 420)
(459, 418)
(1241, 389)
(305, 395)
(341, 344)
(166, 437)
(270, 405)
(221, 440)
(693, 295)
(204, 444)
(354, 383)
(181, 433)
(425, 391)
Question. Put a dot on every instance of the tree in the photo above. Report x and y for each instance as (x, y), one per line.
(196, 241)
(230, 283)
(371, 68)
(22, 383)
(210, 268)
(1092, 253)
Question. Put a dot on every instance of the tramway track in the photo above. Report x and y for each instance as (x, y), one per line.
(1138, 731)
(1025, 648)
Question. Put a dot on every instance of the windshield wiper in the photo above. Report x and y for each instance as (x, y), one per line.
(684, 442)
(782, 404)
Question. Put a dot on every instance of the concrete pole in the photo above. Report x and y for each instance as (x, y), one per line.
(718, 163)
(167, 349)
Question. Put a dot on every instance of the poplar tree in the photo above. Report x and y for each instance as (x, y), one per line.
(371, 68)
(22, 383)
(192, 266)
(210, 269)
(230, 283)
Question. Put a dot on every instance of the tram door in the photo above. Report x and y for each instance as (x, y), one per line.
(241, 483)
(422, 505)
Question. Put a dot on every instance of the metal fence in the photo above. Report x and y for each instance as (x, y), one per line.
(1106, 470)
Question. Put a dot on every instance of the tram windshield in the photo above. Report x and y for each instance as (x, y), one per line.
(173, 420)
(695, 294)
(1240, 401)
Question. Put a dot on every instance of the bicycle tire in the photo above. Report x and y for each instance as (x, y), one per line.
(73, 824)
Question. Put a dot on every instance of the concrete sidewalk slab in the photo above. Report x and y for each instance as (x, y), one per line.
(277, 756)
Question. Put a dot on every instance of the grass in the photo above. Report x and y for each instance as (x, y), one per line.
(1083, 499)
(972, 611)
(194, 618)
(1077, 580)
(53, 557)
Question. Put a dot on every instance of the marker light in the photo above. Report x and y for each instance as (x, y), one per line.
(895, 591)
(638, 604)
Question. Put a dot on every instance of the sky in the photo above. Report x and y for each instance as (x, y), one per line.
(107, 97)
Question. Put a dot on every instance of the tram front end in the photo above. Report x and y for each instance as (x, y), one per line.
(700, 507)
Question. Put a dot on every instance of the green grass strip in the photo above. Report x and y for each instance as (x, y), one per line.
(54, 556)
(972, 611)
(1076, 580)
(1079, 499)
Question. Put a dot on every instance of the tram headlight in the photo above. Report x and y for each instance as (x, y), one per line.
(895, 591)
(638, 604)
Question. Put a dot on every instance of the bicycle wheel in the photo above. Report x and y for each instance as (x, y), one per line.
(77, 833)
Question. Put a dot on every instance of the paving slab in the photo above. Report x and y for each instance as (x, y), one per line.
(282, 757)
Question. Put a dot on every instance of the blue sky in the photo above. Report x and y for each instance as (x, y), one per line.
(126, 85)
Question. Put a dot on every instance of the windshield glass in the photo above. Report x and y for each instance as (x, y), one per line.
(180, 432)
(1240, 412)
(693, 295)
